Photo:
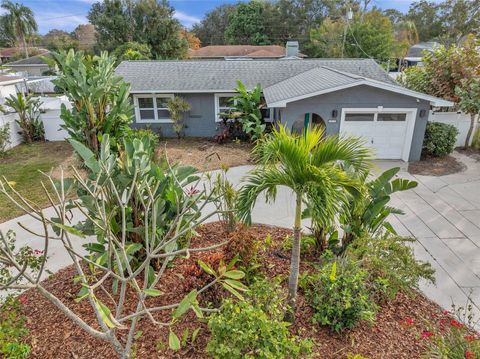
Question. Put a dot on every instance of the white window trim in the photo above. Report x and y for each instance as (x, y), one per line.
(229, 94)
(410, 118)
(155, 108)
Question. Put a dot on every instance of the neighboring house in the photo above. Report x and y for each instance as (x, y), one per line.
(8, 53)
(416, 52)
(32, 66)
(347, 96)
(246, 51)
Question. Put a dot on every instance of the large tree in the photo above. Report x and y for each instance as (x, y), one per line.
(247, 25)
(59, 40)
(85, 35)
(147, 22)
(212, 28)
(19, 21)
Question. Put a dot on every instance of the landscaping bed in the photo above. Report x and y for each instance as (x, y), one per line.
(436, 166)
(53, 335)
(24, 164)
(205, 154)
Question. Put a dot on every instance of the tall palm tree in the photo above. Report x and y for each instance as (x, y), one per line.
(21, 21)
(311, 165)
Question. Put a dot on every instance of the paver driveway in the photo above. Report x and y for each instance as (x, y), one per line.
(443, 213)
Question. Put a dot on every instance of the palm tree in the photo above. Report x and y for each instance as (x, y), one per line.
(312, 166)
(20, 20)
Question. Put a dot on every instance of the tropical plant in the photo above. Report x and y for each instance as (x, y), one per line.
(440, 139)
(339, 295)
(177, 107)
(4, 138)
(253, 328)
(390, 263)
(311, 165)
(28, 110)
(109, 199)
(224, 197)
(246, 107)
(101, 103)
(20, 21)
(366, 212)
(132, 51)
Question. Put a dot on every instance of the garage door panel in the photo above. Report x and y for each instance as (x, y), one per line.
(387, 136)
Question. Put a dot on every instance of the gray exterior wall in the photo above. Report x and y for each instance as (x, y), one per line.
(199, 121)
(358, 97)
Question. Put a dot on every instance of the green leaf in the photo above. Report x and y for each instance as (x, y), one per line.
(153, 292)
(69, 229)
(233, 291)
(237, 285)
(234, 274)
(195, 335)
(333, 274)
(82, 294)
(206, 267)
(173, 341)
(87, 155)
(185, 304)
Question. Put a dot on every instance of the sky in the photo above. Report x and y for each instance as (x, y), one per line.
(68, 14)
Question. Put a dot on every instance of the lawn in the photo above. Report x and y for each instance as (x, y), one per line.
(24, 164)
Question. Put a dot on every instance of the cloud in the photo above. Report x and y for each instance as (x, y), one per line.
(48, 20)
(185, 19)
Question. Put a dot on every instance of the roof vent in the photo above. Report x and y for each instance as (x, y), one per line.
(291, 49)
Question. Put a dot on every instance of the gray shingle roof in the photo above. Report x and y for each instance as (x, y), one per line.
(33, 60)
(314, 80)
(206, 75)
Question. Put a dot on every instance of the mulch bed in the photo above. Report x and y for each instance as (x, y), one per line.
(436, 166)
(470, 152)
(52, 335)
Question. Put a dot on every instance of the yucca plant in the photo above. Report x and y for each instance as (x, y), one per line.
(312, 166)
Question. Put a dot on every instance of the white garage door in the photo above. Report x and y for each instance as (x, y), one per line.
(387, 133)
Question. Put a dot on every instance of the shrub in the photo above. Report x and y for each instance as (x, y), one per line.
(4, 138)
(339, 296)
(439, 139)
(253, 328)
(224, 196)
(13, 330)
(28, 110)
(177, 106)
(391, 264)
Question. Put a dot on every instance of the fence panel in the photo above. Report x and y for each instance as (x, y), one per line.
(15, 136)
(460, 120)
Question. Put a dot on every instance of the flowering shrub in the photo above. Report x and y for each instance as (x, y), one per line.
(339, 295)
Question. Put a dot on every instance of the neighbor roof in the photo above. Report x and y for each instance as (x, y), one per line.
(321, 80)
(6, 79)
(11, 51)
(256, 51)
(222, 76)
(33, 60)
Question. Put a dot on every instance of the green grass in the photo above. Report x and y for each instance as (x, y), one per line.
(23, 165)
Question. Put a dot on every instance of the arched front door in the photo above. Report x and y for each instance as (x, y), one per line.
(307, 121)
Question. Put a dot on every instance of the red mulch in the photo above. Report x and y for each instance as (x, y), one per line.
(52, 335)
(436, 166)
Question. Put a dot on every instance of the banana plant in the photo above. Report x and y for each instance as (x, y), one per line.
(367, 211)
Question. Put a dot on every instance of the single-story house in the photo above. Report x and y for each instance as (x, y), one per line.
(32, 66)
(8, 53)
(347, 96)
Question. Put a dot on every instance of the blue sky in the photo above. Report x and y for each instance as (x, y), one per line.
(67, 14)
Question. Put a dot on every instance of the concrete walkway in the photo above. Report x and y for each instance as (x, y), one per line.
(443, 213)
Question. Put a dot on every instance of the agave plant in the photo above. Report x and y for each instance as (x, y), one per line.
(367, 212)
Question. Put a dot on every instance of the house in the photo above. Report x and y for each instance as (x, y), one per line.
(9, 53)
(32, 66)
(245, 51)
(346, 96)
(416, 52)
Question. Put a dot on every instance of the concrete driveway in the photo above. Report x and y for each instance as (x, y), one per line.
(443, 213)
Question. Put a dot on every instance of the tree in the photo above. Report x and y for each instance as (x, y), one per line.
(311, 165)
(56, 40)
(427, 20)
(469, 102)
(327, 40)
(394, 15)
(132, 51)
(247, 26)
(156, 27)
(212, 28)
(7, 37)
(100, 98)
(85, 35)
(193, 41)
(370, 35)
(19, 21)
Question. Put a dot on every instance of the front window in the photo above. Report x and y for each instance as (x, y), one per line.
(152, 108)
(224, 104)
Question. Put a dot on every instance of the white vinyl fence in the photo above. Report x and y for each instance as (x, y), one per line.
(460, 120)
(10, 120)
